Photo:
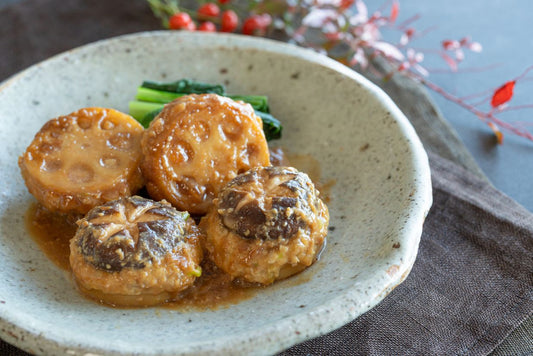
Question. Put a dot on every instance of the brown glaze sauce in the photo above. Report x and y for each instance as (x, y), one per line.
(214, 289)
(304, 163)
(52, 233)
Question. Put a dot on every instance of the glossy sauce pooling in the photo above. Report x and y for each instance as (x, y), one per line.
(304, 163)
(214, 289)
(52, 233)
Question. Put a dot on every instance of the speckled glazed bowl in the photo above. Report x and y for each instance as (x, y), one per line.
(381, 195)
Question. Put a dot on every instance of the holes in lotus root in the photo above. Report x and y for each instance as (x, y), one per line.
(47, 148)
(85, 122)
(201, 131)
(188, 186)
(51, 165)
(182, 188)
(109, 161)
(209, 192)
(107, 125)
(232, 128)
(181, 151)
(80, 173)
(121, 141)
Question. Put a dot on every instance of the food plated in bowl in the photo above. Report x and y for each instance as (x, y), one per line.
(377, 204)
(201, 152)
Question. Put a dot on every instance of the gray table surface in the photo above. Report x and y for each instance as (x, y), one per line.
(504, 29)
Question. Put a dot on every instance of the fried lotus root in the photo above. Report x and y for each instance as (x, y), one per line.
(266, 224)
(84, 159)
(135, 252)
(196, 145)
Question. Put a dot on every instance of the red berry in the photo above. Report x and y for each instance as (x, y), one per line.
(256, 24)
(224, 1)
(207, 26)
(209, 10)
(229, 21)
(190, 27)
(180, 20)
(345, 4)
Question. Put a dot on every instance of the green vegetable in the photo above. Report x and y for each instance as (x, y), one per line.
(196, 272)
(152, 96)
(149, 117)
(139, 109)
(156, 96)
(258, 102)
(271, 126)
(186, 86)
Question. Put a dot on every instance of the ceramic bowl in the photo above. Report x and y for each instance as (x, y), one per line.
(364, 144)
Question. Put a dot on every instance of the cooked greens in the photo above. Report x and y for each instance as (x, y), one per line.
(152, 96)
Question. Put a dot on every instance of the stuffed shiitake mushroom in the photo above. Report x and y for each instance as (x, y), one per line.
(84, 159)
(266, 224)
(196, 145)
(135, 252)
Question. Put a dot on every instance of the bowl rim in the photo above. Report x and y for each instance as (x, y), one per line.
(418, 206)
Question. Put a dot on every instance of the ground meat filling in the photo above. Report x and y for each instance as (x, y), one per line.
(129, 233)
(266, 224)
(135, 252)
(267, 203)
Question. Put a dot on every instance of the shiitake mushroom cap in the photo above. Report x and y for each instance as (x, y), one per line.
(266, 224)
(135, 247)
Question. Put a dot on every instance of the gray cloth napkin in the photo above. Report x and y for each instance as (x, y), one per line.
(470, 286)
(472, 282)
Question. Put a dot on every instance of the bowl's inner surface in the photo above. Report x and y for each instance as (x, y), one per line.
(357, 141)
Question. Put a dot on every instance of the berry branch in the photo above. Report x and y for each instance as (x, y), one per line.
(346, 31)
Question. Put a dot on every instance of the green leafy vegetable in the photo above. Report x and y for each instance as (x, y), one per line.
(152, 96)
(271, 126)
(186, 86)
(149, 117)
(139, 109)
(156, 96)
(258, 102)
